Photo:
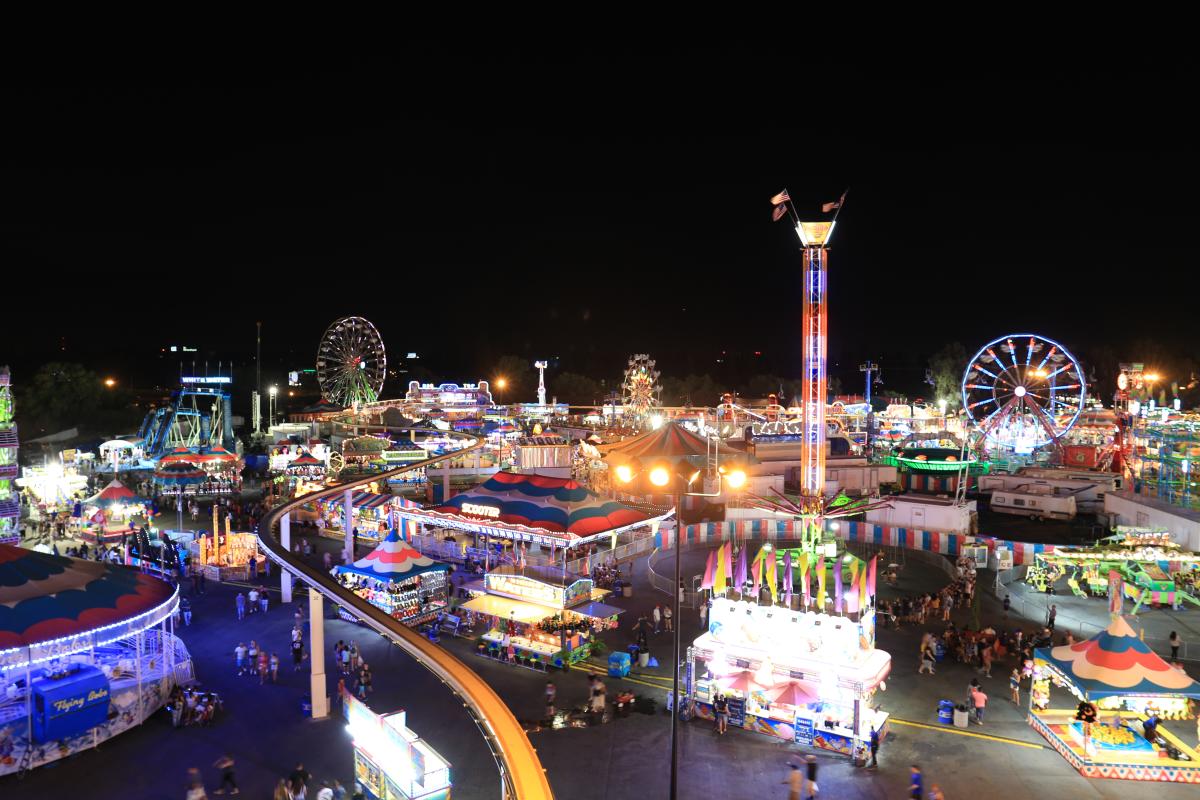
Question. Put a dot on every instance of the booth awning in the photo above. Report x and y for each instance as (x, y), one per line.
(596, 610)
(393, 559)
(507, 608)
(1116, 662)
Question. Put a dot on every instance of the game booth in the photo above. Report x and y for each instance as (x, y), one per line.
(547, 613)
(390, 761)
(804, 676)
(399, 580)
(87, 651)
(371, 514)
(107, 514)
(1120, 683)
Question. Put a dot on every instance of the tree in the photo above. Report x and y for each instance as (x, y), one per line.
(519, 379)
(61, 395)
(575, 389)
(946, 369)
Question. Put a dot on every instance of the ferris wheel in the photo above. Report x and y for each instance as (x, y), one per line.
(1023, 391)
(351, 362)
(640, 390)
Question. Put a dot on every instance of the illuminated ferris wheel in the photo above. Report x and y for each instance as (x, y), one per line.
(1023, 391)
(640, 390)
(351, 362)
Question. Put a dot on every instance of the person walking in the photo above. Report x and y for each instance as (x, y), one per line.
(721, 709)
(225, 764)
(874, 748)
(927, 658)
(263, 600)
(240, 600)
(980, 701)
(704, 616)
(297, 654)
(1007, 605)
(916, 783)
(263, 662)
(794, 782)
(668, 619)
(253, 599)
(239, 657)
(185, 607)
(252, 657)
(551, 693)
(274, 668)
(1175, 643)
(195, 785)
(810, 766)
(1050, 615)
(657, 616)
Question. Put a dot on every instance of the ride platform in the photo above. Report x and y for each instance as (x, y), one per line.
(1133, 760)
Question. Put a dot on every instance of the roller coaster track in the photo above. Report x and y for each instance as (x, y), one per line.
(521, 774)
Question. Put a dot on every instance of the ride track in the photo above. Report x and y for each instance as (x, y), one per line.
(522, 776)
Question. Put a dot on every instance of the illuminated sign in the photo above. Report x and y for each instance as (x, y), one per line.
(523, 587)
(777, 428)
(481, 511)
(212, 380)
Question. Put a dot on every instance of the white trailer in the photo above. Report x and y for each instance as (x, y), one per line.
(1038, 502)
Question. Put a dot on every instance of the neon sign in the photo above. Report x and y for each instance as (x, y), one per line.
(481, 511)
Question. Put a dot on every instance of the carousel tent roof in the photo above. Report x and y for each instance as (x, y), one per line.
(1116, 662)
(306, 460)
(359, 499)
(45, 596)
(115, 492)
(559, 505)
(672, 440)
(393, 559)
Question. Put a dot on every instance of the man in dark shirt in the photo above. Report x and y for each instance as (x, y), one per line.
(299, 777)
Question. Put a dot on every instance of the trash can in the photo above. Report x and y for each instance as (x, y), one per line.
(618, 665)
(644, 659)
(946, 712)
(939, 653)
(627, 590)
(961, 717)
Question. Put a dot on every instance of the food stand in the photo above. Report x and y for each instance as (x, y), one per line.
(399, 580)
(797, 675)
(1125, 681)
(390, 761)
(110, 512)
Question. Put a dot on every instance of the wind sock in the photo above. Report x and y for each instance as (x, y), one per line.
(772, 578)
(872, 574)
(837, 585)
(719, 575)
(805, 593)
(739, 573)
(853, 601)
(821, 584)
(756, 571)
(709, 569)
(787, 579)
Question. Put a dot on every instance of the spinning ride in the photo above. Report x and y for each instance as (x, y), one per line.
(640, 390)
(351, 362)
(1023, 392)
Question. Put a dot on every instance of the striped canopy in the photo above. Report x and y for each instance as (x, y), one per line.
(177, 455)
(306, 460)
(45, 597)
(115, 492)
(557, 505)
(179, 473)
(394, 560)
(1116, 662)
(672, 440)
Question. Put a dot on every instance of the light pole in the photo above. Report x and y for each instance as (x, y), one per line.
(271, 414)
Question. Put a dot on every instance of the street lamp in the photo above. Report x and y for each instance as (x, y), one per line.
(660, 476)
(274, 390)
(110, 382)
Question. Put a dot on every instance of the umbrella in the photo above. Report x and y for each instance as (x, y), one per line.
(792, 693)
(743, 681)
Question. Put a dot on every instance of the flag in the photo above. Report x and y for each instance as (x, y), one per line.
(756, 571)
(787, 579)
(778, 212)
(709, 570)
(872, 575)
(782, 197)
(854, 598)
(835, 205)
(719, 573)
(772, 577)
(1116, 591)
(728, 562)
(821, 584)
(804, 592)
(739, 574)
(837, 585)
(862, 590)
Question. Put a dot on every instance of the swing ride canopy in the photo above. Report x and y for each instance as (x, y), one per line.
(531, 507)
(672, 440)
(49, 600)
(393, 560)
(1116, 662)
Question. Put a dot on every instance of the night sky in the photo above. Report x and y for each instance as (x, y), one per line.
(584, 207)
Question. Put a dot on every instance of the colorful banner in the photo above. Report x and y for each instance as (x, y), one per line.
(821, 584)
(772, 577)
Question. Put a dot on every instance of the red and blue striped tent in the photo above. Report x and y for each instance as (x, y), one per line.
(393, 560)
(116, 492)
(44, 597)
(542, 504)
(1116, 662)
(672, 440)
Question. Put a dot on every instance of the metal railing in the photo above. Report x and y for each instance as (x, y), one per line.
(522, 776)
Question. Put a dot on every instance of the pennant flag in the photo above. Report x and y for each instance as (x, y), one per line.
(805, 594)
(778, 212)
(821, 584)
(772, 577)
(782, 197)
(719, 575)
(837, 585)
(739, 574)
(787, 579)
(709, 570)
(862, 590)
(872, 573)
(854, 593)
(756, 570)
(835, 205)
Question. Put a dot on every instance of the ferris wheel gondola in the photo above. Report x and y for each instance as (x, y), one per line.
(351, 362)
(1023, 392)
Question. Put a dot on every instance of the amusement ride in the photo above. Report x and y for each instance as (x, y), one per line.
(351, 362)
